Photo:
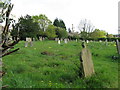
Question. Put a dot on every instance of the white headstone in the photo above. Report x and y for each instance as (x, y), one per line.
(100, 41)
(87, 41)
(76, 40)
(58, 41)
(65, 40)
(28, 39)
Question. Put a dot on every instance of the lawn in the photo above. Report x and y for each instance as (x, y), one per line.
(50, 65)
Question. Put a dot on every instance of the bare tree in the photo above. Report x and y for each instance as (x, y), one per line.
(5, 45)
(85, 27)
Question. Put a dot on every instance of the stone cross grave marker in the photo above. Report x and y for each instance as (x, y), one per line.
(86, 61)
(118, 46)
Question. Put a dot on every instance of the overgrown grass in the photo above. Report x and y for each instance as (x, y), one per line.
(28, 68)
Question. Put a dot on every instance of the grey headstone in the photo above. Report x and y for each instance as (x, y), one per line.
(31, 43)
(65, 40)
(86, 62)
(118, 46)
(26, 44)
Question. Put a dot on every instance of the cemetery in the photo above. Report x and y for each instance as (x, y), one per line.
(48, 64)
(36, 52)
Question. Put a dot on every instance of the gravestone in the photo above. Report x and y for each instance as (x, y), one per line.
(65, 40)
(58, 41)
(61, 39)
(40, 38)
(76, 40)
(33, 39)
(26, 44)
(106, 42)
(86, 61)
(118, 46)
(87, 41)
(68, 39)
(28, 41)
(100, 41)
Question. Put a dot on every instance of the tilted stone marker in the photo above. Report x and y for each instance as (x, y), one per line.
(86, 61)
(118, 46)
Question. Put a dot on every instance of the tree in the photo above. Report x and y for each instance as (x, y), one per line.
(25, 28)
(50, 32)
(85, 27)
(5, 46)
(59, 23)
(42, 20)
(98, 34)
(110, 36)
(61, 33)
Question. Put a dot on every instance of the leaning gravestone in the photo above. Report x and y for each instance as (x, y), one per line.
(86, 61)
(118, 46)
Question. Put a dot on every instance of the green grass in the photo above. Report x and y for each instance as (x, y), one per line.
(28, 68)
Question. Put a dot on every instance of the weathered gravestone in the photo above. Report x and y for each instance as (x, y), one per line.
(86, 62)
(28, 41)
(118, 46)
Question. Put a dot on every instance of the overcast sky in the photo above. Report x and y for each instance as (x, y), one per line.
(102, 13)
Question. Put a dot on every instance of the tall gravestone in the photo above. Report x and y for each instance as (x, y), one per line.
(118, 46)
(86, 61)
